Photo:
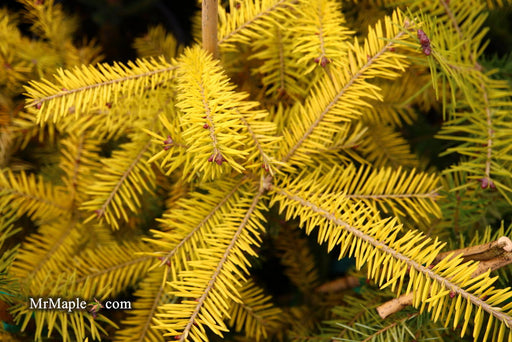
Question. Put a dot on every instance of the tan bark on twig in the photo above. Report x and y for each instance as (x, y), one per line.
(339, 284)
(486, 251)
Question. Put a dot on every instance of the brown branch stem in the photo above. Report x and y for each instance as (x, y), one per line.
(486, 251)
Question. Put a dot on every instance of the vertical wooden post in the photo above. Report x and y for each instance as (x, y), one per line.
(209, 26)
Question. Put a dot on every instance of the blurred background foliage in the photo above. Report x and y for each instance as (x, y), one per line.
(116, 23)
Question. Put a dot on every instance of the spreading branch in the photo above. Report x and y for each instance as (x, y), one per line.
(492, 256)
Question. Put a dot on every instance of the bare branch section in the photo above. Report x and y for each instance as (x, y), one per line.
(209, 26)
(486, 251)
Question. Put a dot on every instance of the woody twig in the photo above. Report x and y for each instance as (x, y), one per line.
(486, 251)
(492, 256)
(339, 284)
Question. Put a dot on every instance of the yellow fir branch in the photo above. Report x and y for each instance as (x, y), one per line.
(218, 123)
(345, 88)
(215, 322)
(494, 255)
(118, 188)
(80, 156)
(321, 37)
(48, 251)
(23, 193)
(140, 321)
(280, 70)
(87, 88)
(191, 235)
(108, 269)
(368, 244)
(249, 19)
(50, 21)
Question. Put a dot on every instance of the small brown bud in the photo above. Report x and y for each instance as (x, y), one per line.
(210, 159)
(452, 294)
(425, 42)
(165, 261)
(219, 159)
(108, 104)
(39, 105)
(168, 140)
(491, 184)
(168, 143)
(422, 36)
(325, 61)
(206, 126)
(484, 183)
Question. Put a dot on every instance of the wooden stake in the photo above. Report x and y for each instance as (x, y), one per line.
(209, 26)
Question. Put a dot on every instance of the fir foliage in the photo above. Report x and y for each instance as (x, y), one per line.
(176, 179)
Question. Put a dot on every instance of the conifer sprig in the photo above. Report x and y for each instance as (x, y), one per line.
(432, 286)
(87, 88)
(338, 94)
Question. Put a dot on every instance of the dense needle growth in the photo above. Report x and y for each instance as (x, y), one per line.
(177, 180)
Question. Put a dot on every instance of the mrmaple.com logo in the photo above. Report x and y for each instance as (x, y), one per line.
(77, 304)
